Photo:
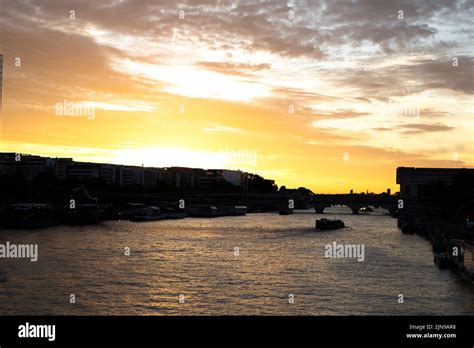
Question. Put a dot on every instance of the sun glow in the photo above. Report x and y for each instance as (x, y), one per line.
(189, 81)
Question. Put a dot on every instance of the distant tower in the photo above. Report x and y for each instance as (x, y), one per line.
(1, 80)
(389, 191)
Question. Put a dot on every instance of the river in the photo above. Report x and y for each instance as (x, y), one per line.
(258, 264)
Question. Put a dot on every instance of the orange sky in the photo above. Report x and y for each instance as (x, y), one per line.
(329, 95)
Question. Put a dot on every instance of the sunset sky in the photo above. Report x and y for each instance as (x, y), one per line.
(331, 95)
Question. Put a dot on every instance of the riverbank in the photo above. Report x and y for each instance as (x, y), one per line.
(39, 215)
(452, 240)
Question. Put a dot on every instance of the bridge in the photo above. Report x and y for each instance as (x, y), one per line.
(355, 201)
(279, 200)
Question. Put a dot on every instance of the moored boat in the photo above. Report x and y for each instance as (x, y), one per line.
(82, 209)
(30, 216)
(285, 211)
(240, 210)
(171, 213)
(208, 211)
(82, 215)
(150, 213)
(126, 211)
(408, 228)
(110, 212)
(470, 224)
(442, 261)
(231, 210)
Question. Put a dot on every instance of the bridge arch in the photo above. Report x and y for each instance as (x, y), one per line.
(355, 202)
(319, 208)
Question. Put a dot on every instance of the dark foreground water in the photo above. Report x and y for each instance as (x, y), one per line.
(279, 256)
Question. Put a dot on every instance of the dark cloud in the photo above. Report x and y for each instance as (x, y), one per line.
(433, 113)
(254, 25)
(442, 73)
(239, 69)
(398, 80)
(418, 128)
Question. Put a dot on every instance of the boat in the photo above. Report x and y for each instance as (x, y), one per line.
(172, 213)
(85, 210)
(110, 212)
(150, 213)
(285, 211)
(82, 215)
(470, 224)
(126, 211)
(327, 224)
(408, 228)
(231, 210)
(30, 216)
(439, 244)
(442, 261)
(394, 213)
(366, 210)
(240, 210)
(209, 211)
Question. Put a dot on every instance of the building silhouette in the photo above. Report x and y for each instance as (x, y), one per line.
(31, 166)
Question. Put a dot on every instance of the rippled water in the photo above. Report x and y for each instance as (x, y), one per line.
(279, 255)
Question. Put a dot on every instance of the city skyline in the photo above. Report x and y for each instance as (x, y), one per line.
(63, 168)
(329, 95)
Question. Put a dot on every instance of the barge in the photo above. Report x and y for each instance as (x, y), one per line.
(327, 224)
